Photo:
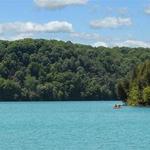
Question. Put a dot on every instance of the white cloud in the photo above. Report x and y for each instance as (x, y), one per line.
(86, 36)
(3, 38)
(147, 10)
(17, 36)
(55, 4)
(30, 27)
(21, 36)
(133, 43)
(123, 10)
(111, 22)
(120, 10)
(127, 43)
(98, 44)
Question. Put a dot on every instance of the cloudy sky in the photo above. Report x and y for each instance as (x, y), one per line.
(95, 22)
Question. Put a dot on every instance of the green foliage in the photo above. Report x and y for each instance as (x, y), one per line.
(146, 95)
(139, 91)
(56, 70)
(123, 89)
(133, 95)
(9, 89)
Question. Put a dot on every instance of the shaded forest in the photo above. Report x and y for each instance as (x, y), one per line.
(56, 70)
(136, 89)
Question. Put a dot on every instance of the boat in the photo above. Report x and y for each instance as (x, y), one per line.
(117, 106)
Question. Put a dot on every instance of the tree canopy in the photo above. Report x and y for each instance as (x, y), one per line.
(138, 90)
(56, 70)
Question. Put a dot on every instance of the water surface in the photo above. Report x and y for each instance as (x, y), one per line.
(73, 126)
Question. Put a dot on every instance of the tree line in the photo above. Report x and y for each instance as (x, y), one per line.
(56, 70)
(136, 90)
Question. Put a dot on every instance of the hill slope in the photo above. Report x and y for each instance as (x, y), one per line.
(56, 70)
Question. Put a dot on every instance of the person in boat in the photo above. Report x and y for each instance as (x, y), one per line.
(117, 106)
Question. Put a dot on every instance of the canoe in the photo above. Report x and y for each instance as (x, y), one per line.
(116, 106)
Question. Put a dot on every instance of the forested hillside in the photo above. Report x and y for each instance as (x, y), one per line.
(56, 70)
(138, 89)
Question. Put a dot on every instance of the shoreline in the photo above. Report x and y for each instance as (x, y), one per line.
(1, 101)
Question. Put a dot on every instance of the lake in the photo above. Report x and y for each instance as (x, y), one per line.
(73, 126)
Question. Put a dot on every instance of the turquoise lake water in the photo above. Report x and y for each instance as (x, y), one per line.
(73, 126)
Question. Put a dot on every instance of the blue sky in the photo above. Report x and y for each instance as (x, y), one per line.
(94, 22)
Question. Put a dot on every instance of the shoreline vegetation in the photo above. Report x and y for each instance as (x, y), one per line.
(137, 88)
(50, 70)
